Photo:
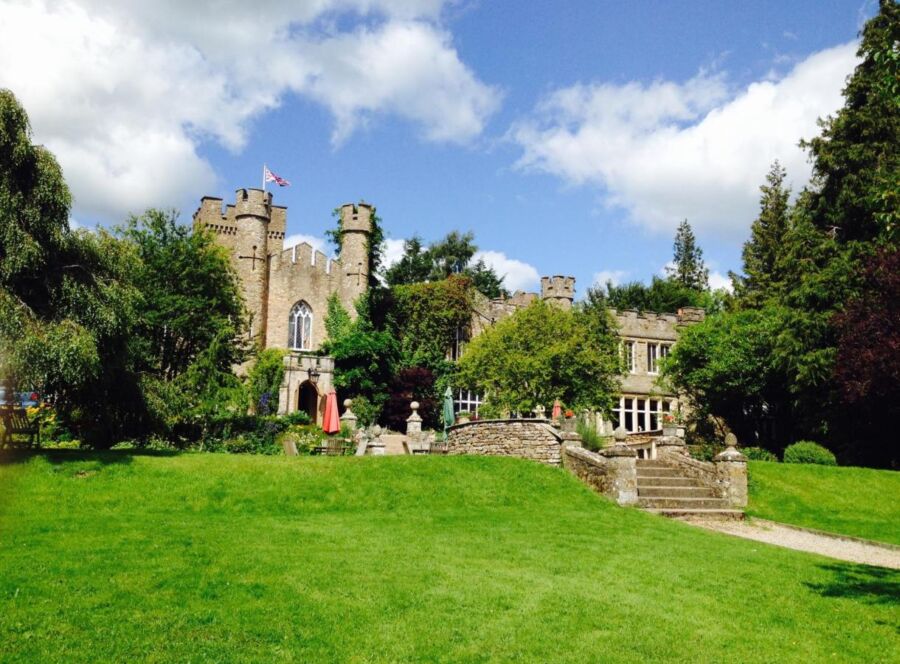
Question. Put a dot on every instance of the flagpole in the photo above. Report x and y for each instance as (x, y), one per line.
(264, 177)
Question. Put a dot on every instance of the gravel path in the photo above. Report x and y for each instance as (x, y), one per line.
(851, 550)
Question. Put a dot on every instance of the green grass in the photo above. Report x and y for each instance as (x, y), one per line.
(211, 558)
(861, 502)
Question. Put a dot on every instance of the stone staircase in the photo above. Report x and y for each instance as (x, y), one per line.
(665, 489)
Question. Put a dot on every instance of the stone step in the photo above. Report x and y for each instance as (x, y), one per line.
(675, 492)
(658, 472)
(652, 463)
(656, 480)
(676, 513)
(683, 503)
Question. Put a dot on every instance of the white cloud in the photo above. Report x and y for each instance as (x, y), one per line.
(516, 274)
(317, 243)
(123, 93)
(615, 276)
(718, 280)
(393, 252)
(667, 151)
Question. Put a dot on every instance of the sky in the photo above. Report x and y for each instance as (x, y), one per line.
(571, 137)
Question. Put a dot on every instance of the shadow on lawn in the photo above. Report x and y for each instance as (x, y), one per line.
(59, 457)
(872, 585)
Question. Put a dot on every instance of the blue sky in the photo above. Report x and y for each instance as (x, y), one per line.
(572, 137)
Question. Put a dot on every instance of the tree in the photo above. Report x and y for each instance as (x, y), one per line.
(66, 305)
(762, 275)
(661, 296)
(726, 367)
(451, 256)
(688, 268)
(539, 354)
(414, 266)
(190, 293)
(856, 159)
(867, 366)
(337, 320)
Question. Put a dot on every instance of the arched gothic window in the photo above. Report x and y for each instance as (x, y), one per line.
(300, 327)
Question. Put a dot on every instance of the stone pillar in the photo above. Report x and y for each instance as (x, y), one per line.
(731, 469)
(414, 423)
(622, 463)
(375, 446)
(348, 417)
(667, 446)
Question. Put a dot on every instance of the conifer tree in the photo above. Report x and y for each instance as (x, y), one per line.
(761, 253)
(689, 269)
(856, 159)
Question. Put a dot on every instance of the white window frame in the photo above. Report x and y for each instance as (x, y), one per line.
(645, 412)
(629, 354)
(467, 400)
(300, 326)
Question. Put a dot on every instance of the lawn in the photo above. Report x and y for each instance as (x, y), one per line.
(203, 557)
(861, 502)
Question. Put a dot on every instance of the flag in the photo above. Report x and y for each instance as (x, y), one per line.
(271, 177)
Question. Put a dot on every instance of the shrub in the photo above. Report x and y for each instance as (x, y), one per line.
(758, 454)
(590, 437)
(366, 412)
(295, 418)
(806, 451)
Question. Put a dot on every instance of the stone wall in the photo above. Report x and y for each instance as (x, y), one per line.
(533, 439)
(611, 472)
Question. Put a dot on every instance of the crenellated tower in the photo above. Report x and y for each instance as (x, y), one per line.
(356, 228)
(558, 290)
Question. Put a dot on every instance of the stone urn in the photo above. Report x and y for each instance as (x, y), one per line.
(670, 429)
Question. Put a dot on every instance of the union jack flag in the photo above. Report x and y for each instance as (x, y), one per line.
(271, 177)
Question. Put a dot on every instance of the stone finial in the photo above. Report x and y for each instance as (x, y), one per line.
(414, 422)
(348, 418)
(620, 436)
(731, 452)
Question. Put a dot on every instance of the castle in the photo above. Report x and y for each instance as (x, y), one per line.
(286, 292)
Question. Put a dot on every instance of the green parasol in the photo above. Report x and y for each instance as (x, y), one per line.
(448, 416)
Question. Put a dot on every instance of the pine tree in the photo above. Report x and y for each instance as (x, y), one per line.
(762, 277)
(688, 267)
(856, 160)
(413, 267)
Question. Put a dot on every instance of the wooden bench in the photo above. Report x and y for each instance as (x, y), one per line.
(333, 447)
(15, 423)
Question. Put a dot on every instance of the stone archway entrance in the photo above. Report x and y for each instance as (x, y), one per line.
(308, 400)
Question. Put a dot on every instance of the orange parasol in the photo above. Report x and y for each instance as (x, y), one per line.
(331, 423)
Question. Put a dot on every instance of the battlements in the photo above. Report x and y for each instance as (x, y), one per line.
(357, 217)
(558, 289)
(253, 203)
(303, 256)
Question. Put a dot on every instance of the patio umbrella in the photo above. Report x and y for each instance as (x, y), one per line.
(331, 423)
(448, 415)
(557, 410)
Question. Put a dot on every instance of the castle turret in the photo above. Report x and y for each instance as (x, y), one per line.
(356, 227)
(252, 213)
(558, 290)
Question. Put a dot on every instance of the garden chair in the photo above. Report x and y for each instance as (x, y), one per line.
(437, 447)
(15, 423)
(335, 446)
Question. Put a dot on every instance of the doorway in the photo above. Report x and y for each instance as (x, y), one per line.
(308, 400)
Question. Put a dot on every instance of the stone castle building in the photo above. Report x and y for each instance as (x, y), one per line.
(286, 292)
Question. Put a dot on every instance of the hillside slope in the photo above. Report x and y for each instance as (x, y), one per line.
(861, 502)
(236, 558)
